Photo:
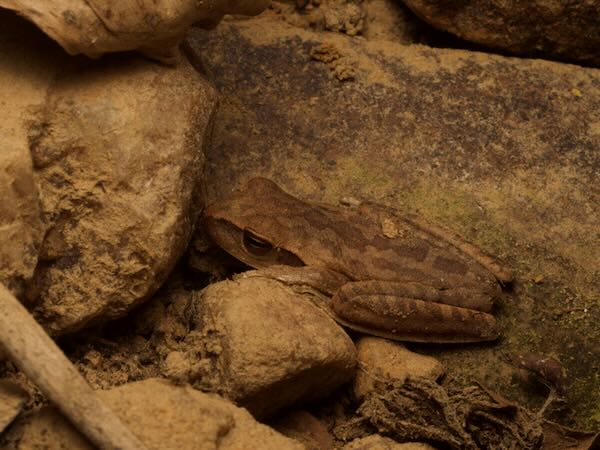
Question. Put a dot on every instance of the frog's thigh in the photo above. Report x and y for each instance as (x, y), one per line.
(458, 296)
(410, 319)
(502, 272)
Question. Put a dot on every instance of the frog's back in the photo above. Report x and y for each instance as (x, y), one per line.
(365, 244)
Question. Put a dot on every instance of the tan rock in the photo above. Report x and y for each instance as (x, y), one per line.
(548, 28)
(12, 399)
(381, 358)
(98, 26)
(275, 347)
(28, 64)
(377, 442)
(164, 417)
(389, 20)
(117, 151)
(343, 16)
(117, 194)
(177, 367)
(21, 230)
(305, 428)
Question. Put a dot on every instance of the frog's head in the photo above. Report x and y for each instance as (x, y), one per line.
(256, 224)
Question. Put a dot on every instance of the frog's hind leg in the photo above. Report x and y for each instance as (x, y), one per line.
(460, 296)
(502, 272)
(410, 319)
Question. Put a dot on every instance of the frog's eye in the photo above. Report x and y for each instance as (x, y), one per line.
(255, 245)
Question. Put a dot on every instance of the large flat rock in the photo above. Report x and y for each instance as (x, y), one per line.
(501, 150)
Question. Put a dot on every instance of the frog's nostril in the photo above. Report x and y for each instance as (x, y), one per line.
(255, 245)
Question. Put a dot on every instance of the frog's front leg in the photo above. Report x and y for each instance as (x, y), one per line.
(410, 312)
(325, 281)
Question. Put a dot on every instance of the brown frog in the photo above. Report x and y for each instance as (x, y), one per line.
(388, 275)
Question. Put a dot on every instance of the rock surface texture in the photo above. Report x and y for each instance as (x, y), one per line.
(96, 27)
(21, 226)
(503, 151)
(380, 358)
(103, 160)
(377, 442)
(547, 28)
(270, 346)
(12, 400)
(164, 417)
(304, 427)
(118, 192)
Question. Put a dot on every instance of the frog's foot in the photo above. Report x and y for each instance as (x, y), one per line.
(402, 316)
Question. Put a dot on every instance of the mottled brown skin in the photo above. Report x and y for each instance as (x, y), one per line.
(411, 283)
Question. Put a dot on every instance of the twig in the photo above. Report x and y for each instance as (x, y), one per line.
(36, 354)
